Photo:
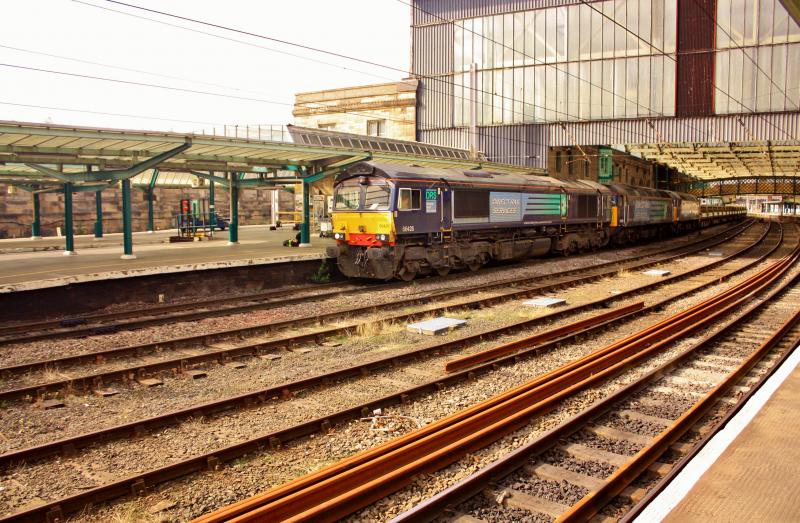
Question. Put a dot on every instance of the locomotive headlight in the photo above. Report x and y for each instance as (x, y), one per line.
(382, 237)
(338, 236)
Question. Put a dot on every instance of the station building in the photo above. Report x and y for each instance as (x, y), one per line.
(710, 90)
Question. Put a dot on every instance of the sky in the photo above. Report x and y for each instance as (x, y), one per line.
(144, 51)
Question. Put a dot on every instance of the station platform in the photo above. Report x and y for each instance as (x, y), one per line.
(754, 478)
(27, 264)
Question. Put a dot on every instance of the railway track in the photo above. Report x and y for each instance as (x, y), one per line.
(204, 351)
(342, 488)
(213, 459)
(107, 323)
(591, 464)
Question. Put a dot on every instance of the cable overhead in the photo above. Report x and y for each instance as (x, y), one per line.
(637, 36)
(214, 35)
(183, 89)
(340, 55)
(256, 35)
(129, 69)
(102, 113)
(431, 78)
(744, 51)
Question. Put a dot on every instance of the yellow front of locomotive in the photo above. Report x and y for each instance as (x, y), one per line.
(363, 227)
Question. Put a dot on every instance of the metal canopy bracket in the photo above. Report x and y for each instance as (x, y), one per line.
(210, 177)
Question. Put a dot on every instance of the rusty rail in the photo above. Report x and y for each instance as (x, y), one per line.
(69, 445)
(536, 339)
(344, 487)
(101, 379)
(212, 459)
(591, 504)
(474, 484)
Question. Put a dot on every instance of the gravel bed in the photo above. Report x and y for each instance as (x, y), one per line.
(45, 349)
(558, 491)
(197, 494)
(616, 509)
(561, 459)
(426, 410)
(624, 448)
(632, 425)
(491, 512)
(667, 410)
(493, 317)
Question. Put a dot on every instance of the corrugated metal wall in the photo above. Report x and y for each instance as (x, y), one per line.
(712, 129)
(517, 144)
(514, 144)
(457, 138)
(433, 56)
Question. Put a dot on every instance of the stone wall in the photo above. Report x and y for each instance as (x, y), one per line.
(349, 109)
(16, 209)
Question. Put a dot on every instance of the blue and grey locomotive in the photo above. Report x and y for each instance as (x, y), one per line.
(401, 221)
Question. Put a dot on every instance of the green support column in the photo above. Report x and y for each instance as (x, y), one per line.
(150, 198)
(69, 249)
(305, 227)
(233, 226)
(36, 226)
(127, 232)
(150, 228)
(98, 223)
(211, 206)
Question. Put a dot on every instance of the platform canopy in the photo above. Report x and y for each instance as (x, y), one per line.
(709, 161)
(47, 155)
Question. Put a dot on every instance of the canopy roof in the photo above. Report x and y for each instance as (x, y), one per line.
(49, 155)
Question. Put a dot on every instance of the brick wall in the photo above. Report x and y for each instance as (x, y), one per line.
(567, 163)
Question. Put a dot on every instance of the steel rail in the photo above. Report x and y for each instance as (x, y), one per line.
(139, 482)
(490, 354)
(475, 483)
(159, 314)
(70, 445)
(135, 319)
(338, 490)
(682, 250)
(98, 380)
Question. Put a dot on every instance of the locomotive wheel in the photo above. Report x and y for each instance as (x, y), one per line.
(407, 275)
(443, 271)
(474, 266)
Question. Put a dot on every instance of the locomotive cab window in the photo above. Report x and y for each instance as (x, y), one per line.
(376, 197)
(347, 197)
(409, 199)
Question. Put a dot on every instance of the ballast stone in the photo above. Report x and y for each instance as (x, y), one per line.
(545, 302)
(435, 326)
